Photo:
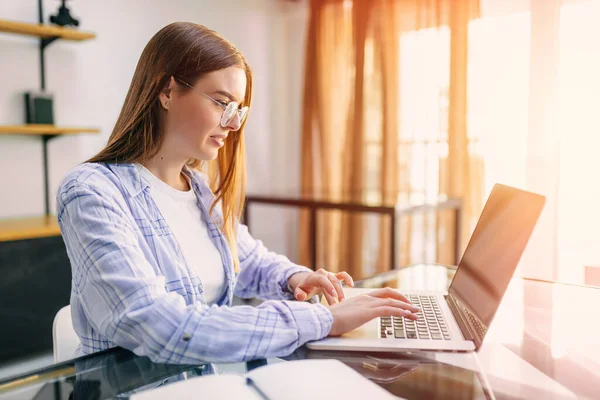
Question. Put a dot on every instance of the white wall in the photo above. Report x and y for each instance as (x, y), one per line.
(282, 234)
(89, 81)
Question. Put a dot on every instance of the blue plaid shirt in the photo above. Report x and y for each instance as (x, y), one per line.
(131, 286)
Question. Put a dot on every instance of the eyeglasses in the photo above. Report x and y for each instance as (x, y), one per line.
(229, 109)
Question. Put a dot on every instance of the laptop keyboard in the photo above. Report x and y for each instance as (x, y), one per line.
(431, 324)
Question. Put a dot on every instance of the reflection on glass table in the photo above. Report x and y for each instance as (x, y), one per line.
(416, 375)
(117, 373)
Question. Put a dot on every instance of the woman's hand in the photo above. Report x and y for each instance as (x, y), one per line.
(359, 310)
(307, 284)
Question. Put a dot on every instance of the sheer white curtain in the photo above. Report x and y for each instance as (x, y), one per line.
(579, 139)
(534, 91)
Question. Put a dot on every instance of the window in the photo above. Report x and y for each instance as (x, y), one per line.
(579, 133)
(423, 132)
(498, 81)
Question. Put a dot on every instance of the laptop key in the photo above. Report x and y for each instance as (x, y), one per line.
(399, 334)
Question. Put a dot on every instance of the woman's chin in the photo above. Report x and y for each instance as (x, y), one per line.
(208, 154)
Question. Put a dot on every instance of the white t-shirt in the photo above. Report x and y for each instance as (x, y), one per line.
(183, 215)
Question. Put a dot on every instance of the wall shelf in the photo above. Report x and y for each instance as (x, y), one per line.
(28, 228)
(44, 31)
(33, 257)
(39, 129)
(47, 34)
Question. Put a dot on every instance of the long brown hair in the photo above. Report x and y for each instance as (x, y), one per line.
(186, 51)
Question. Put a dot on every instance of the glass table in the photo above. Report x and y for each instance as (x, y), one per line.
(542, 345)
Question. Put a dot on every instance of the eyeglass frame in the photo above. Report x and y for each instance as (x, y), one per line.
(242, 113)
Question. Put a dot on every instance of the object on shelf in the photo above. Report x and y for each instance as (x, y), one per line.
(39, 108)
(63, 17)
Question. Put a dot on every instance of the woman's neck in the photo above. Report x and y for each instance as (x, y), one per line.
(168, 170)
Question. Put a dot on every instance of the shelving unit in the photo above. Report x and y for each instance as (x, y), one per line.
(33, 256)
(28, 228)
(44, 31)
(43, 226)
(39, 129)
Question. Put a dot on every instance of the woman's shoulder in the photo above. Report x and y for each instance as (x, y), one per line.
(86, 174)
(102, 178)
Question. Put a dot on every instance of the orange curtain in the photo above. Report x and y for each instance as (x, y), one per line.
(462, 170)
(327, 93)
(352, 140)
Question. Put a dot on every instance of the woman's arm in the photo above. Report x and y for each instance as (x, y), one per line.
(124, 298)
(263, 274)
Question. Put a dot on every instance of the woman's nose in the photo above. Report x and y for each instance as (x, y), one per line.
(234, 125)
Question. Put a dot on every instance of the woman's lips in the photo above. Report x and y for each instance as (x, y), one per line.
(219, 141)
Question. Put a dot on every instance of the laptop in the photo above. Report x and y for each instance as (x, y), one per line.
(458, 320)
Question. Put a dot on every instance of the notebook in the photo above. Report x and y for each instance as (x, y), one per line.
(292, 380)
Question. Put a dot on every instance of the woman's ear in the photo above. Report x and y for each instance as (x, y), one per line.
(165, 94)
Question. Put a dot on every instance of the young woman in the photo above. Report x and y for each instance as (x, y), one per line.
(151, 224)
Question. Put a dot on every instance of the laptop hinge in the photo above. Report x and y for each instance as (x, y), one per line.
(463, 322)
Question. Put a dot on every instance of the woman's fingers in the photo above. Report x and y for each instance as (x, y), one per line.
(331, 300)
(389, 302)
(300, 294)
(388, 292)
(386, 311)
(344, 276)
(327, 288)
(337, 284)
(326, 285)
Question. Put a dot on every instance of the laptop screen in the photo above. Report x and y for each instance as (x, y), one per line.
(494, 250)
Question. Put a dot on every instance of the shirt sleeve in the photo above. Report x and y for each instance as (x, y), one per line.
(263, 274)
(124, 297)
